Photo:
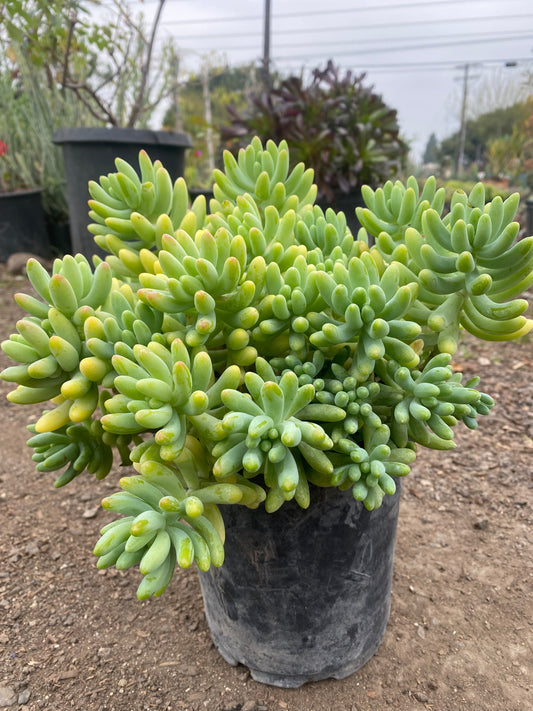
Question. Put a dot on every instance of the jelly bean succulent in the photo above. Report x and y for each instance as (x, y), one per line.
(245, 353)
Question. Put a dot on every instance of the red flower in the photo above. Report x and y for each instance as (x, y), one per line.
(3, 148)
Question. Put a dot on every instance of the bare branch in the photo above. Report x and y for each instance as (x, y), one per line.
(106, 80)
(65, 74)
(79, 89)
(163, 93)
(136, 27)
(136, 108)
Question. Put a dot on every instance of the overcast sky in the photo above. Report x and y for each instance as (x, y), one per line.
(414, 53)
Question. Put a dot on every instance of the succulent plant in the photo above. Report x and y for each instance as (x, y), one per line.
(469, 265)
(246, 353)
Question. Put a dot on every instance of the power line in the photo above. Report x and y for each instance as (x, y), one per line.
(400, 49)
(431, 66)
(302, 30)
(331, 11)
(423, 68)
(469, 37)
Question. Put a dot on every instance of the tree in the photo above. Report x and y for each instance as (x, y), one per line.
(110, 64)
(223, 86)
(512, 156)
(481, 131)
(497, 90)
(430, 153)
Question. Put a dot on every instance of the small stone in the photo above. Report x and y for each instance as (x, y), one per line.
(32, 548)
(16, 263)
(91, 513)
(420, 696)
(482, 525)
(24, 697)
(197, 696)
(4, 639)
(249, 706)
(8, 697)
(187, 670)
(421, 632)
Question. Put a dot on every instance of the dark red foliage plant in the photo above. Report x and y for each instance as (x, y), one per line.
(334, 123)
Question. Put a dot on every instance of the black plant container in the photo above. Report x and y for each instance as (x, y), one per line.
(89, 153)
(206, 192)
(303, 595)
(22, 224)
(346, 202)
(58, 236)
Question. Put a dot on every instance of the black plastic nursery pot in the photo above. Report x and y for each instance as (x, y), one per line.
(303, 595)
(346, 202)
(206, 192)
(22, 224)
(89, 153)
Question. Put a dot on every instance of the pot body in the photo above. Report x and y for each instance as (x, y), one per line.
(22, 224)
(346, 202)
(89, 153)
(206, 192)
(303, 595)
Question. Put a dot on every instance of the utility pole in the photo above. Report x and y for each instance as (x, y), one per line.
(460, 155)
(208, 118)
(266, 46)
(175, 93)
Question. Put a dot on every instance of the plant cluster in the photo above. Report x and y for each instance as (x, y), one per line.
(497, 142)
(245, 354)
(108, 64)
(334, 124)
(491, 189)
(32, 112)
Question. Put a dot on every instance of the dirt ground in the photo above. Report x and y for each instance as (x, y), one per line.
(459, 635)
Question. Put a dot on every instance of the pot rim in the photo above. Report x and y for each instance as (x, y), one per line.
(101, 134)
(20, 192)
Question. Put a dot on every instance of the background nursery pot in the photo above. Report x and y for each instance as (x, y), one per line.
(89, 153)
(22, 224)
(347, 203)
(303, 595)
